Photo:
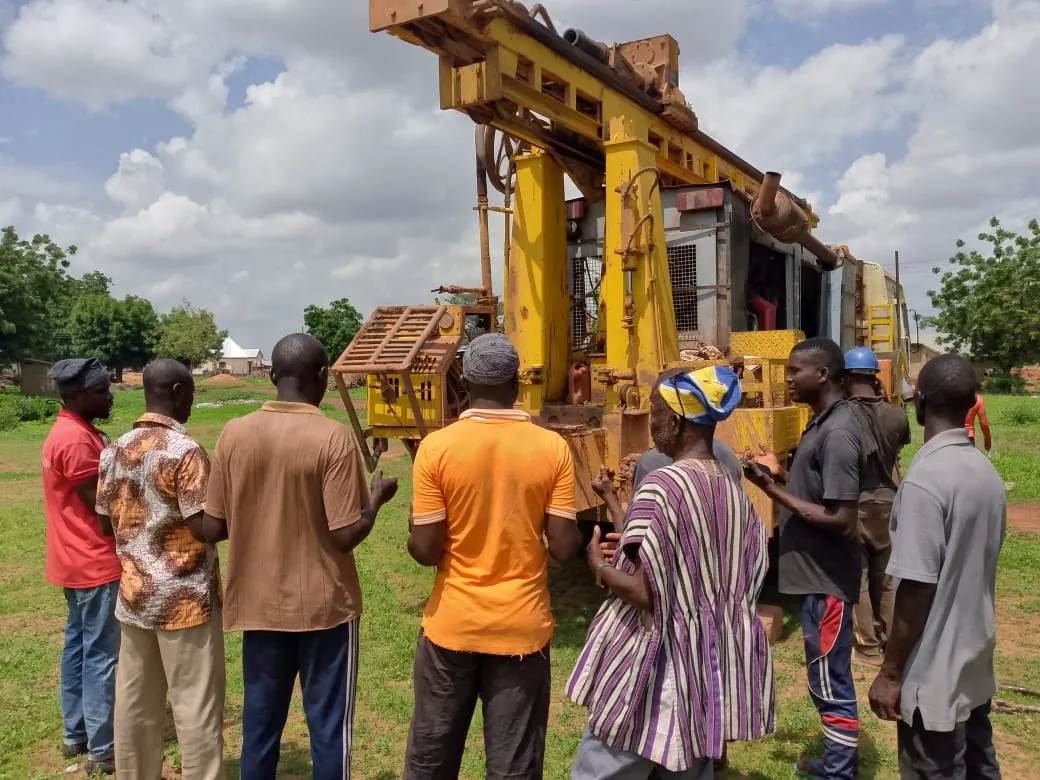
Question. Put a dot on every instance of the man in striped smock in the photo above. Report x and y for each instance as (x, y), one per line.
(676, 662)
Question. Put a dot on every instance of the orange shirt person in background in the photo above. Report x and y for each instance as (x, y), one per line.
(979, 411)
(493, 499)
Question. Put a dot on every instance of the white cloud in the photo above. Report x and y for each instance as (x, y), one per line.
(339, 176)
(973, 153)
(803, 8)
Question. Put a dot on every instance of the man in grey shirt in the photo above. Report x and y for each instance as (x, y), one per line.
(652, 460)
(948, 524)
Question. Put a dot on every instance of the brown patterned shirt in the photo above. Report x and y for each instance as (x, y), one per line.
(150, 480)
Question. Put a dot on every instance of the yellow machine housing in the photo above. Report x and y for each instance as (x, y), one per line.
(654, 267)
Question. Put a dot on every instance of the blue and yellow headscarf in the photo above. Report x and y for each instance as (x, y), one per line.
(705, 397)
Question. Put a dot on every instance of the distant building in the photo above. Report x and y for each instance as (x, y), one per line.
(921, 351)
(236, 360)
(33, 379)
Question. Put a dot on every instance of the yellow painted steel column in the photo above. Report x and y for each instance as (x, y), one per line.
(637, 291)
(537, 302)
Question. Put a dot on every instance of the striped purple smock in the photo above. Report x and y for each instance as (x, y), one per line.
(676, 685)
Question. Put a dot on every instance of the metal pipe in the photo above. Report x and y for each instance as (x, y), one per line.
(582, 42)
(777, 214)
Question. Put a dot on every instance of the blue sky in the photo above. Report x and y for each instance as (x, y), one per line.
(255, 160)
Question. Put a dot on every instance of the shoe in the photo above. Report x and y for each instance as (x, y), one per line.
(867, 658)
(74, 751)
(103, 767)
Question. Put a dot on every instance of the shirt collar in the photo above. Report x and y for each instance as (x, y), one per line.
(492, 415)
(290, 407)
(818, 419)
(75, 418)
(152, 418)
(954, 437)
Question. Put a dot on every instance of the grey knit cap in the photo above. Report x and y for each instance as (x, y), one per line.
(77, 374)
(490, 360)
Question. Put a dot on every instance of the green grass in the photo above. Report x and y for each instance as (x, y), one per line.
(32, 615)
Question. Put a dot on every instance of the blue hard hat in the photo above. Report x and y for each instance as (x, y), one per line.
(862, 359)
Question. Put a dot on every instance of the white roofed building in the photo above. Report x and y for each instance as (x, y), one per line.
(240, 361)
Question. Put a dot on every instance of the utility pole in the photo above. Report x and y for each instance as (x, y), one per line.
(897, 266)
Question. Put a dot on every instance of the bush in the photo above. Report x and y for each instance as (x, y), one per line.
(1004, 384)
(16, 409)
(1021, 414)
(8, 415)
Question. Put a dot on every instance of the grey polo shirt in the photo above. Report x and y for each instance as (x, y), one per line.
(652, 460)
(948, 524)
(826, 467)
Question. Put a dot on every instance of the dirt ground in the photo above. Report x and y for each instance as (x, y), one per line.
(1024, 517)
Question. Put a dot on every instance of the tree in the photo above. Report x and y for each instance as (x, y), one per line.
(189, 335)
(334, 326)
(33, 279)
(122, 334)
(988, 303)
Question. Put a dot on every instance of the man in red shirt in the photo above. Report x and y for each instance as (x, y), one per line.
(979, 411)
(82, 561)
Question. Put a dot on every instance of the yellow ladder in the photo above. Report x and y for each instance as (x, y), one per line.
(881, 328)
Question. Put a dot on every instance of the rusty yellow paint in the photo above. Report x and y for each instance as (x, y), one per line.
(764, 343)
(537, 298)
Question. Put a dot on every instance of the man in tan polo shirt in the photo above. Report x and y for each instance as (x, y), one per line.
(287, 490)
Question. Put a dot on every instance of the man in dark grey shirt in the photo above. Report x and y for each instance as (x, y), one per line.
(948, 524)
(819, 551)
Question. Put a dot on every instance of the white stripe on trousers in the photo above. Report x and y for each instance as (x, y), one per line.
(353, 644)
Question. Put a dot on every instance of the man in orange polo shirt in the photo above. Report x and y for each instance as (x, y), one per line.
(82, 561)
(489, 491)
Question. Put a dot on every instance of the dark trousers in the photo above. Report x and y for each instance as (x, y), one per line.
(514, 691)
(966, 753)
(827, 633)
(327, 664)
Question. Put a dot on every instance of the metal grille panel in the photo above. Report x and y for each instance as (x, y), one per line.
(587, 272)
(682, 270)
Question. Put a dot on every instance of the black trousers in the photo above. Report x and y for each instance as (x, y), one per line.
(966, 753)
(514, 691)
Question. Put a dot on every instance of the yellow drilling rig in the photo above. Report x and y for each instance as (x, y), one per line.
(677, 253)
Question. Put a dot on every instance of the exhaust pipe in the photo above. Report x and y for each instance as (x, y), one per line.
(777, 214)
(580, 40)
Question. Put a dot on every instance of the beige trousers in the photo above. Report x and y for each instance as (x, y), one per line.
(189, 666)
(872, 616)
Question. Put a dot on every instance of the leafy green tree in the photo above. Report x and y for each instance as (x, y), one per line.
(33, 280)
(122, 334)
(334, 325)
(189, 335)
(988, 303)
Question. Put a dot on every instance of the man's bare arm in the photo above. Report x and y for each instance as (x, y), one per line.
(207, 528)
(564, 537)
(632, 588)
(426, 542)
(87, 492)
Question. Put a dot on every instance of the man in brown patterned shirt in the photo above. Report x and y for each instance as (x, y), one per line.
(151, 491)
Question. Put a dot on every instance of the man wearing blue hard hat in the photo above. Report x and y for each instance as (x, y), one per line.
(884, 432)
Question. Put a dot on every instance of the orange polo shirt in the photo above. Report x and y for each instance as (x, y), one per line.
(492, 476)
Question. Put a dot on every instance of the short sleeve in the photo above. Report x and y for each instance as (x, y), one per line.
(840, 458)
(918, 536)
(342, 489)
(78, 461)
(192, 482)
(428, 503)
(216, 499)
(106, 484)
(562, 502)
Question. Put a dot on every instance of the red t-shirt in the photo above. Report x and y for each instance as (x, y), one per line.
(78, 554)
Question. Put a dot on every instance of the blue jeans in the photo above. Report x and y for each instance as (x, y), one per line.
(88, 669)
(327, 664)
